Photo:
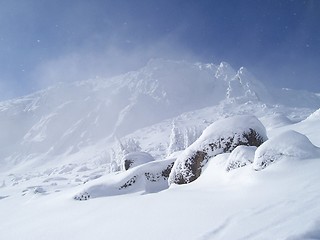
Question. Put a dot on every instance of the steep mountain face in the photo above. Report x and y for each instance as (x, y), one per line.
(68, 117)
(242, 84)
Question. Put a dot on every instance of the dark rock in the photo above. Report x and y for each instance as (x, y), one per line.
(127, 164)
(194, 164)
(82, 197)
(129, 183)
(156, 176)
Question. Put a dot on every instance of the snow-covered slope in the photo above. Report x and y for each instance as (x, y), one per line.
(279, 202)
(70, 117)
(55, 145)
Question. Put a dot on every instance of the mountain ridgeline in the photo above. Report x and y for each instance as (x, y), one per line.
(68, 117)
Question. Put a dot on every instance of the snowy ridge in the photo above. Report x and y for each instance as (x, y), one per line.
(66, 118)
(314, 116)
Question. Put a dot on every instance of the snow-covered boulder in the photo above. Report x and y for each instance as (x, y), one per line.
(275, 121)
(146, 178)
(287, 145)
(134, 159)
(240, 157)
(220, 137)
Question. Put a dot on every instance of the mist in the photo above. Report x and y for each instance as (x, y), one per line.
(105, 63)
(46, 43)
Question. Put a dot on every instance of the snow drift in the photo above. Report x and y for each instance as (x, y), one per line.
(146, 178)
(287, 145)
(134, 159)
(314, 116)
(240, 157)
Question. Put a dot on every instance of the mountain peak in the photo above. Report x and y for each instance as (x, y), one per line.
(71, 116)
(224, 71)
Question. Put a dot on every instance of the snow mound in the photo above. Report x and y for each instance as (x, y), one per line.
(220, 137)
(287, 145)
(231, 126)
(134, 159)
(240, 157)
(147, 178)
(314, 116)
(275, 121)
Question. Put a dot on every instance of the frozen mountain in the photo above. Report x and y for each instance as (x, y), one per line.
(73, 142)
(69, 117)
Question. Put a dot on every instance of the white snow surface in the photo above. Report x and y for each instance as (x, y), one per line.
(287, 145)
(315, 115)
(145, 178)
(138, 158)
(240, 157)
(223, 128)
(228, 127)
(55, 143)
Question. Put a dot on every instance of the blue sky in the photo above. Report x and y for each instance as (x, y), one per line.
(42, 42)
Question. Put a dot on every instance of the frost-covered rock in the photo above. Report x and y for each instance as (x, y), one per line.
(240, 157)
(82, 196)
(148, 178)
(287, 145)
(134, 159)
(220, 137)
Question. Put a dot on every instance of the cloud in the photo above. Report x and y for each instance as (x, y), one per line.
(87, 63)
